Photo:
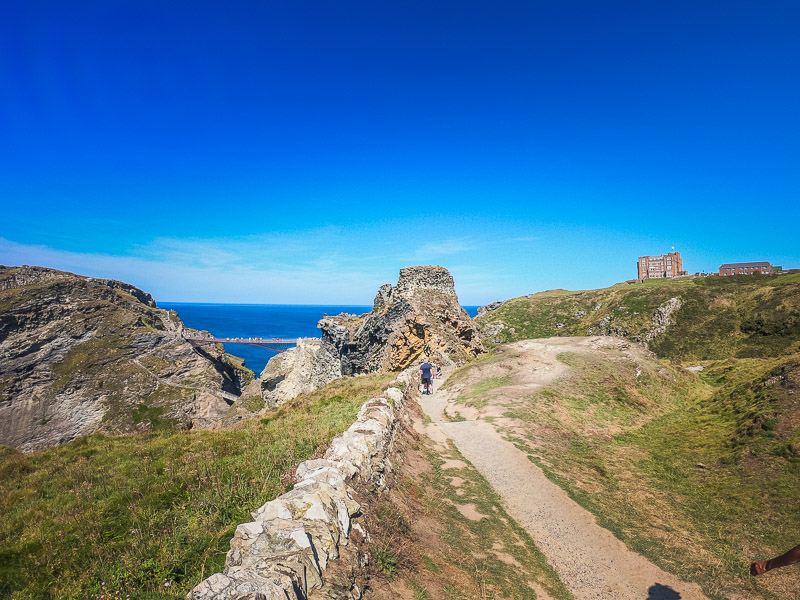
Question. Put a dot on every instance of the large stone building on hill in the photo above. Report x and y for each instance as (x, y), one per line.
(664, 266)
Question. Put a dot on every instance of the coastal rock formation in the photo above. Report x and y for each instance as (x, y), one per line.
(80, 354)
(490, 307)
(301, 369)
(420, 316)
(383, 297)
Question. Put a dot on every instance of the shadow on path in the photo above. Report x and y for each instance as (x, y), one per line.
(662, 592)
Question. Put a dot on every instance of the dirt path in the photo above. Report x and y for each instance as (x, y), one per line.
(591, 562)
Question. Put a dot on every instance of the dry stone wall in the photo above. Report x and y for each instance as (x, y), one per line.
(282, 553)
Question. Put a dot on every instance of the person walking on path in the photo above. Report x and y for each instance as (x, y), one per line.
(425, 375)
(788, 558)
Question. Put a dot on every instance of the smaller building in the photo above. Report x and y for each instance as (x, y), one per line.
(746, 268)
(664, 266)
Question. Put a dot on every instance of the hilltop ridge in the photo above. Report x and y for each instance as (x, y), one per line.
(686, 319)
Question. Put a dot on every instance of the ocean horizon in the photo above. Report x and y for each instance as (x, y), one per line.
(261, 320)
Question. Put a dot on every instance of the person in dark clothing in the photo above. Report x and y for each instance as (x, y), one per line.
(788, 558)
(425, 370)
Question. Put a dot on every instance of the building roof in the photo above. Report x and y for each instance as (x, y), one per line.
(747, 264)
(660, 256)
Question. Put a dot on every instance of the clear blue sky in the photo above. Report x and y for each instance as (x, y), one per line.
(303, 152)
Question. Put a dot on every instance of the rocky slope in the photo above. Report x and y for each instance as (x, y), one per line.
(420, 316)
(79, 355)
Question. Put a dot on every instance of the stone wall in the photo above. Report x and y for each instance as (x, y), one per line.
(284, 551)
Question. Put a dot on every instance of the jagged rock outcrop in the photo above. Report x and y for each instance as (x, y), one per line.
(490, 330)
(482, 310)
(80, 354)
(301, 369)
(420, 316)
(662, 318)
(383, 297)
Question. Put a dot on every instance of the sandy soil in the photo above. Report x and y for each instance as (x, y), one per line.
(591, 562)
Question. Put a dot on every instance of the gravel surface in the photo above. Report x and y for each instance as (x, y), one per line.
(591, 562)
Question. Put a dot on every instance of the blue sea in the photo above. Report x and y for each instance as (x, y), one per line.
(260, 320)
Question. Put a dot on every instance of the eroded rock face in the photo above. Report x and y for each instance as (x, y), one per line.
(662, 318)
(301, 369)
(420, 316)
(482, 310)
(383, 297)
(79, 355)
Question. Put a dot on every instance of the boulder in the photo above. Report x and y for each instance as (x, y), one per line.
(301, 369)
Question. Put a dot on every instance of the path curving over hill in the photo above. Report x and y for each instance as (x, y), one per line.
(590, 560)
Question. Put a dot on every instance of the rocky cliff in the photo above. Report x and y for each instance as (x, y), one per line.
(420, 316)
(80, 355)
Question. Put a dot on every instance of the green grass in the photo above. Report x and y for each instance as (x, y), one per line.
(721, 317)
(461, 374)
(152, 414)
(628, 448)
(475, 395)
(420, 593)
(105, 514)
(384, 560)
(743, 501)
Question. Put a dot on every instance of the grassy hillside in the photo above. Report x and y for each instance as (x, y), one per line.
(150, 514)
(720, 317)
(698, 472)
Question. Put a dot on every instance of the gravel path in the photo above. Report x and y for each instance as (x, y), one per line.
(591, 562)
